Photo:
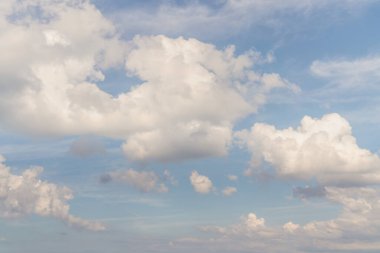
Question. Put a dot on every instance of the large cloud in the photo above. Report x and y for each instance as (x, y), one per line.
(319, 148)
(49, 83)
(26, 194)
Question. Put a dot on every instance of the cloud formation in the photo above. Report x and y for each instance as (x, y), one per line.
(185, 82)
(229, 190)
(213, 18)
(349, 75)
(324, 149)
(201, 184)
(144, 181)
(26, 194)
(357, 220)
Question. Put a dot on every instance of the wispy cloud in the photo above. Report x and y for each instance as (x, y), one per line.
(212, 19)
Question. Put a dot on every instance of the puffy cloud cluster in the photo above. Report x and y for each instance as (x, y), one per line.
(53, 84)
(356, 228)
(319, 148)
(144, 181)
(201, 184)
(26, 194)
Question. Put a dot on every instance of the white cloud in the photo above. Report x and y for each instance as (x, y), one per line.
(26, 194)
(356, 228)
(253, 222)
(185, 83)
(145, 181)
(212, 19)
(201, 184)
(290, 227)
(319, 148)
(232, 177)
(351, 75)
(228, 191)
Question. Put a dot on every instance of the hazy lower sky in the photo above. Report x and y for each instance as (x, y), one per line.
(221, 126)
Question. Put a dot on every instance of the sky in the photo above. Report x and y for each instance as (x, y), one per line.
(221, 126)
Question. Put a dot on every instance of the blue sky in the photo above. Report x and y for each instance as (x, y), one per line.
(189, 126)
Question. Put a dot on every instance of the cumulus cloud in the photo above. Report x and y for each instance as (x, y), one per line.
(184, 84)
(144, 181)
(355, 228)
(229, 190)
(253, 222)
(26, 194)
(290, 227)
(201, 184)
(324, 149)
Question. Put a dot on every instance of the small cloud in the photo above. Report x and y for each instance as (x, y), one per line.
(200, 183)
(232, 177)
(144, 181)
(290, 227)
(228, 191)
(87, 146)
(168, 177)
(253, 222)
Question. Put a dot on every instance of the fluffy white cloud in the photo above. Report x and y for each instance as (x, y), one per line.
(228, 191)
(145, 181)
(200, 183)
(319, 148)
(26, 194)
(53, 85)
(186, 85)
